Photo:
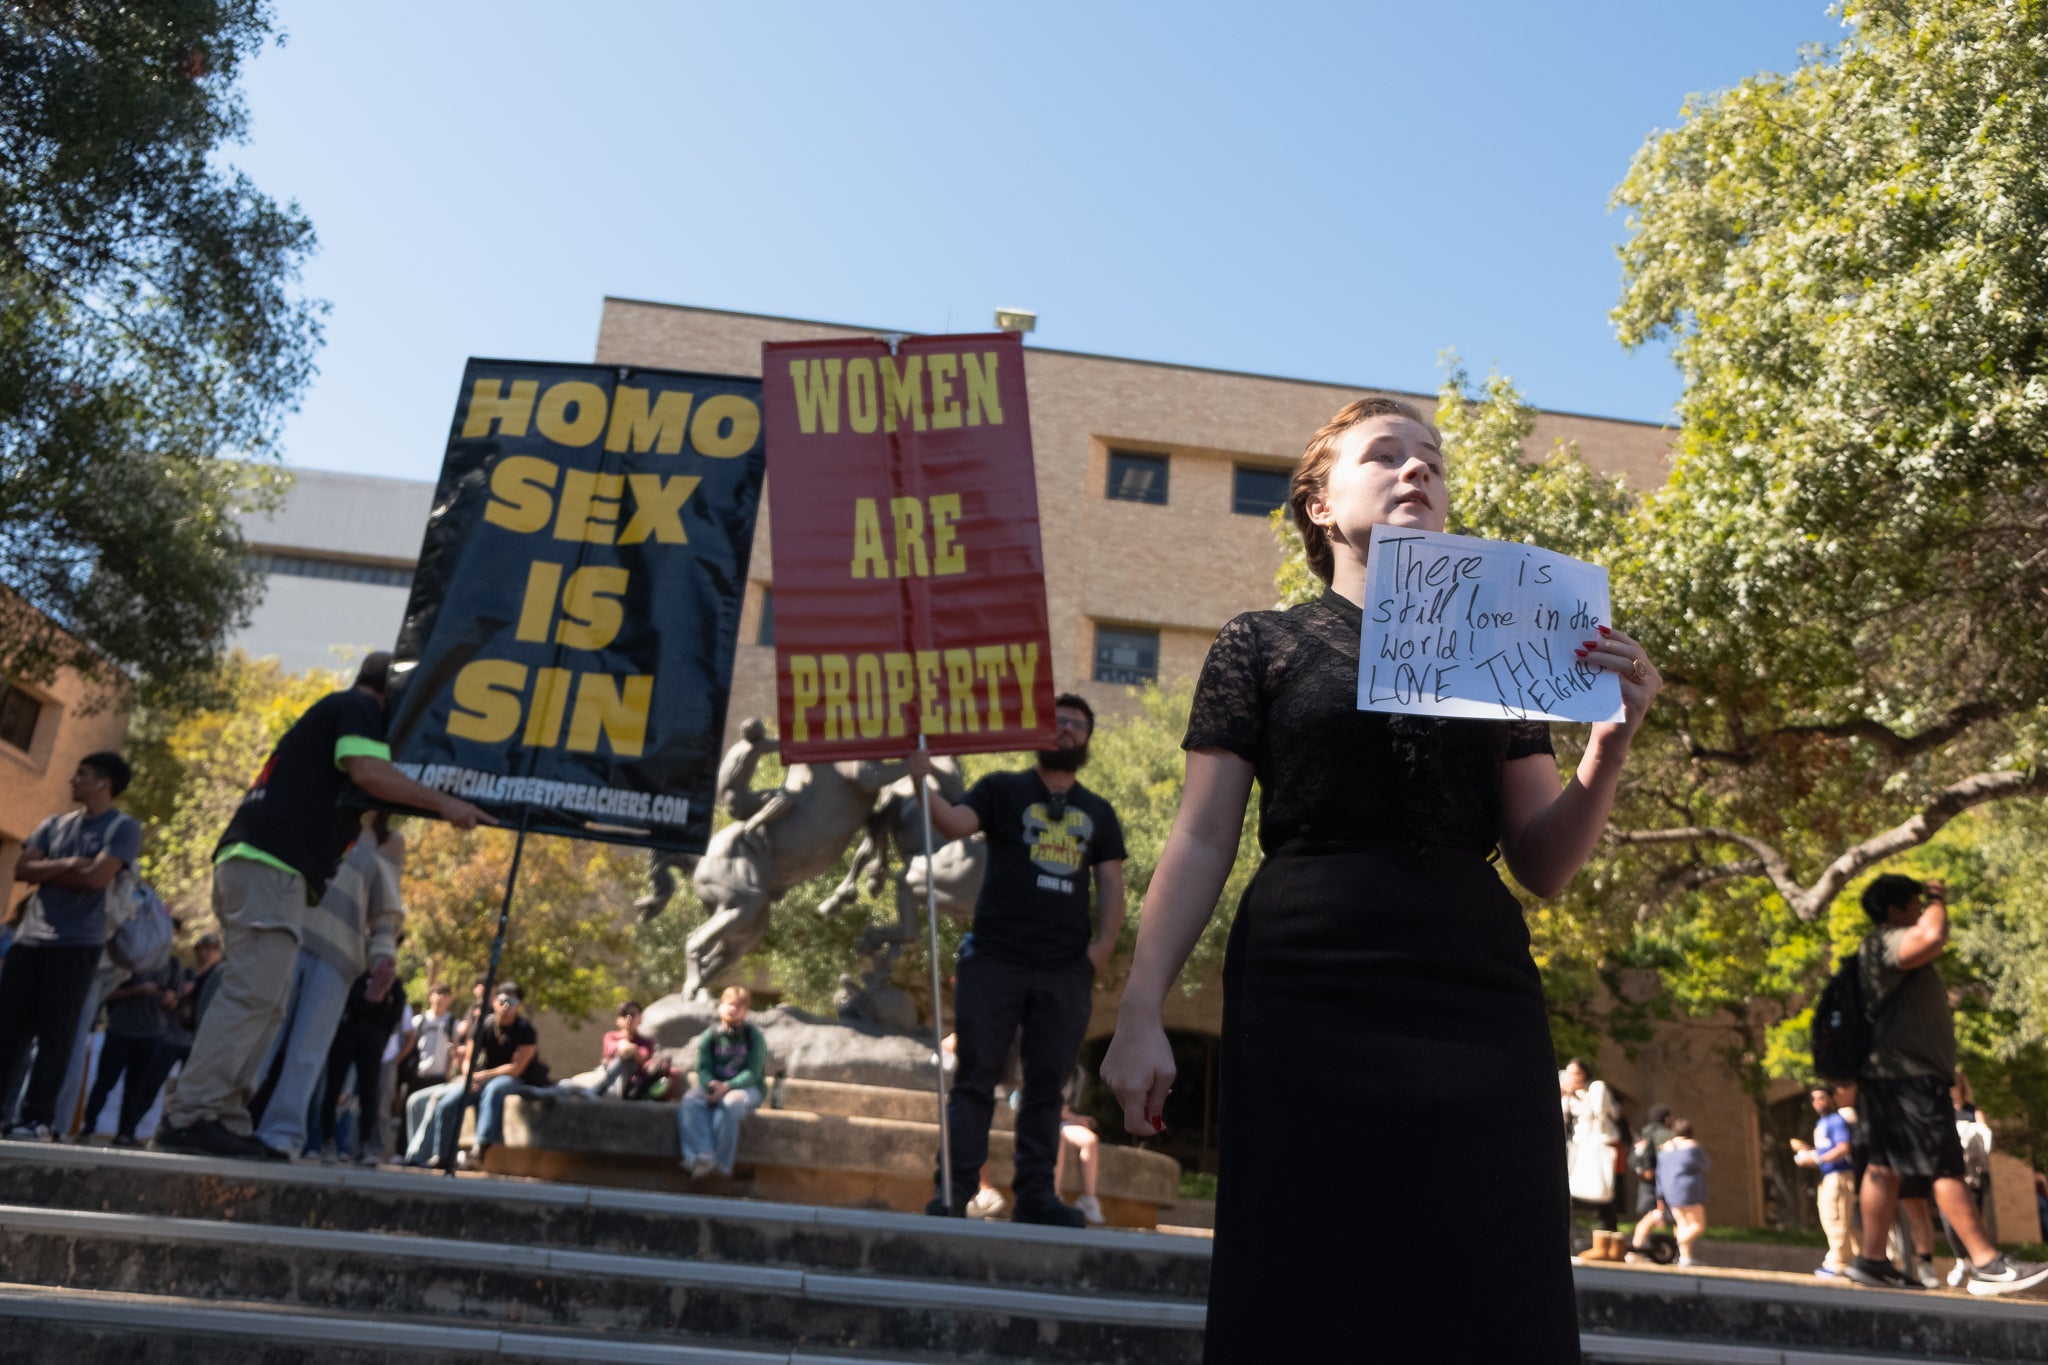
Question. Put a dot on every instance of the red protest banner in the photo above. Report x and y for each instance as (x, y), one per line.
(909, 581)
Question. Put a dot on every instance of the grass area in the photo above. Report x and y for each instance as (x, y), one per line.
(1197, 1185)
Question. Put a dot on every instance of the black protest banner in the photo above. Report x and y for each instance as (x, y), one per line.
(568, 649)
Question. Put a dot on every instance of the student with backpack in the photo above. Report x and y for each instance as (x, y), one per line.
(81, 863)
(1902, 1085)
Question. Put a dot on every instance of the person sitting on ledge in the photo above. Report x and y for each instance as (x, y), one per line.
(507, 1064)
(732, 1071)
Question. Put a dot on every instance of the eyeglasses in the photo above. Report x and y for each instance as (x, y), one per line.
(1068, 723)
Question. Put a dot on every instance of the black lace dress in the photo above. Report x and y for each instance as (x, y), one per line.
(1392, 1184)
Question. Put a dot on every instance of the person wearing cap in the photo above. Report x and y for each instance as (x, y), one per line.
(507, 1063)
(273, 861)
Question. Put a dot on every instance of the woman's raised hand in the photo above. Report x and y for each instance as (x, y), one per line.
(1629, 662)
(1138, 1069)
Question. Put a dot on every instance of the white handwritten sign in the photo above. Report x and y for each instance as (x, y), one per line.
(1483, 629)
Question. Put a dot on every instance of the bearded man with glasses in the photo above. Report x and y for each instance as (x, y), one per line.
(1030, 961)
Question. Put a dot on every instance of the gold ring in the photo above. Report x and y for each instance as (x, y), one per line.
(1639, 669)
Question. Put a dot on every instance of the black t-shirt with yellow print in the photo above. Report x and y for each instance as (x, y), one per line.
(1033, 906)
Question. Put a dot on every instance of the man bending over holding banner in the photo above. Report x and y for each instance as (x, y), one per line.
(275, 858)
(1029, 961)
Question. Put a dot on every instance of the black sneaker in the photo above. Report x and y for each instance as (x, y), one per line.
(208, 1137)
(1048, 1211)
(31, 1132)
(1879, 1275)
(2004, 1275)
(938, 1208)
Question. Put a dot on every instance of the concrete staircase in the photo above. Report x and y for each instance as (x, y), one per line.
(101, 1250)
(141, 1257)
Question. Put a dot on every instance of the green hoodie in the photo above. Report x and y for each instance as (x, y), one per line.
(753, 1073)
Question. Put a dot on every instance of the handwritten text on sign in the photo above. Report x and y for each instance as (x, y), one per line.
(1483, 629)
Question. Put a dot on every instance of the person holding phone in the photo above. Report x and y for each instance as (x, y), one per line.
(1903, 1103)
(1376, 942)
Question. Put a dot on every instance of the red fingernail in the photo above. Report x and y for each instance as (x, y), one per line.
(1158, 1123)
(1604, 630)
(1580, 652)
(1592, 644)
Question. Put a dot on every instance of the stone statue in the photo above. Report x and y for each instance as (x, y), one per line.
(784, 836)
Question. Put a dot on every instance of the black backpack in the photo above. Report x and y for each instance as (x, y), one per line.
(1841, 1024)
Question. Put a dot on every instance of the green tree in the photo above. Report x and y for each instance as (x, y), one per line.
(569, 942)
(1843, 579)
(149, 323)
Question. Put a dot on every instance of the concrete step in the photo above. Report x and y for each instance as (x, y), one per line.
(88, 1327)
(1602, 1348)
(875, 1102)
(551, 1289)
(1795, 1314)
(583, 1217)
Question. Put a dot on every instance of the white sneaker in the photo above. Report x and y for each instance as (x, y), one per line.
(1090, 1210)
(1960, 1274)
(702, 1167)
(1928, 1279)
(988, 1202)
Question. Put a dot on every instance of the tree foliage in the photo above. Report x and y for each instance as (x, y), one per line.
(149, 323)
(569, 943)
(1847, 575)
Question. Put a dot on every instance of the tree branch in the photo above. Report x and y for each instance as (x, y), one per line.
(1769, 861)
(1693, 878)
(1897, 745)
(1892, 742)
(1917, 829)
(1808, 902)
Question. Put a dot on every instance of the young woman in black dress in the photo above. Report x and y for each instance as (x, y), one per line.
(1392, 1181)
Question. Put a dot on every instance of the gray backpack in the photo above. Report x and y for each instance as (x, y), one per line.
(142, 943)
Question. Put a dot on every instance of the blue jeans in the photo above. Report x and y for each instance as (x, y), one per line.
(319, 991)
(713, 1130)
(428, 1112)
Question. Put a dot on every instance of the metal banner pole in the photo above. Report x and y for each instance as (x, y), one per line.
(451, 1133)
(931, 918)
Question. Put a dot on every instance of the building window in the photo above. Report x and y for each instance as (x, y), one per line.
(19, 711)
(1137, 478)
(764, 629)
(340, 570)
(1256, 491)
(1124, 656)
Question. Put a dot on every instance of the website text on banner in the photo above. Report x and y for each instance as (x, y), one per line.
(909, 581)
(568, 649)
(1484, 629)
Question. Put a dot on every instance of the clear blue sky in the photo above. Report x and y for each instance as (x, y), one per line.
(1333, 191)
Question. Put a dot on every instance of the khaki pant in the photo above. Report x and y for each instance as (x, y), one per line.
(260, 909)
(1837, 1203)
